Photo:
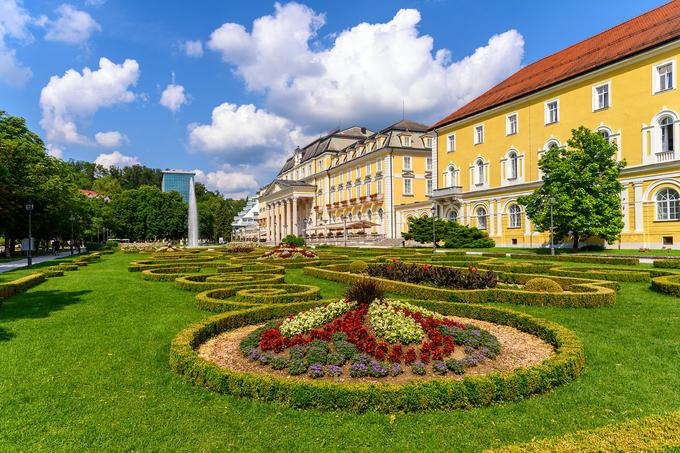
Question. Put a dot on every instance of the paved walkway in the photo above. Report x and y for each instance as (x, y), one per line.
(11, 265)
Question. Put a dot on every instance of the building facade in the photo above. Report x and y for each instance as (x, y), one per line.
(178, 181)
(621, 83)
(245, 226)
(352, 180)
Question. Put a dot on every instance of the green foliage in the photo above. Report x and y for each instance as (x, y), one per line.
(358, 267)
(543, 285)
(669, 284)
(583, 179)
(453, 234)
(292, 239)
(364, 291)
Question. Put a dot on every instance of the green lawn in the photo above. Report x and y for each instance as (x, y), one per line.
(84, 366)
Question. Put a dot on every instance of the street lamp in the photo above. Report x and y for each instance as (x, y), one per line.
(434, 235)
(72, 219)
(551, 200)
(29, 208)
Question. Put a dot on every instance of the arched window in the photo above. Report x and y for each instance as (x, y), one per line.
(359, 216)
(515, 216)
(479, 165)
(667, 204)
(381, 214)
(666, 125)
(369, 215)
(451, 176)
(349, 217)
(604, 133)
(513, 164)
(453, 216)
(481, 218)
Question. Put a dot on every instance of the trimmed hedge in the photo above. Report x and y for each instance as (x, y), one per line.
(200, 282)
(169, 274)
(667, 264)
(21, 284)
(656, 433)
(592, 293)
(668, 284)
(277, 294)
(415, 396)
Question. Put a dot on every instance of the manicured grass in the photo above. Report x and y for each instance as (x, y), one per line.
(84, 366)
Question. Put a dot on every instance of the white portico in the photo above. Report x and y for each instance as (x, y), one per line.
(288, 207)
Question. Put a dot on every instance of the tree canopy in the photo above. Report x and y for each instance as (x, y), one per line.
(453, 234)
(583, 179)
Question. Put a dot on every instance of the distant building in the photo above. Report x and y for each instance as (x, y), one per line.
(178, 181)
(245, 226)
(93, 194)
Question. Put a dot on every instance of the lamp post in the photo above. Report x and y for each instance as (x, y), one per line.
(551, 200)
(72, 219)
(434, 234)
(29, 208)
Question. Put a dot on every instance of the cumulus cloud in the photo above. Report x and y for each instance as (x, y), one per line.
(116, 159)
(193, 49)
(173, 97)
(71, 26)
(365, 74)
(74, 97)
(110, 139)
(229, 184)
(14, 23)
(55, 151)
(246, 135)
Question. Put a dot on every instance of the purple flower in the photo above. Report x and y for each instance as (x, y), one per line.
(361, 357)
(439, 367)
(334, 370)
(396, 369)
(377, 369)
(254, 354)
(316, 370)
(358, 369)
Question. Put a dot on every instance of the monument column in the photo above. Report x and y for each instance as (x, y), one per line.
(279, 228)
(295, 228)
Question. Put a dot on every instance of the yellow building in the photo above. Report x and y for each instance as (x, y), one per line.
(622, 83)
(351, 181)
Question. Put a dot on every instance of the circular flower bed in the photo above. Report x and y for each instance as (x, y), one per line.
(384, 338)
(288, 251)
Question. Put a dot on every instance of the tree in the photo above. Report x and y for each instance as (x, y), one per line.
(453, 234)
(583, 179)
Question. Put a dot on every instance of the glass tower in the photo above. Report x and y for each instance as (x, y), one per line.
(178, 181)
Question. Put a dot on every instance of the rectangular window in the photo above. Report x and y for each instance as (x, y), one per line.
(428, 142)
(451, 143)
(552, 114)
(429, 187)
(428, 164)
(358, 191)
(378, 186)
(407, 163)
(479, 134)
(601, 96)
(378, 166)
(319, 165)
(665, 74)
(511, 124)
(408, 186)
(368, 189)
(368, 169)
(406, 141)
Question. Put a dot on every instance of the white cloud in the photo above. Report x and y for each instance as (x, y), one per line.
(229, 184)
(55, 151)
(173, 97)
(116, 159)
(74, 96)
(71, 26)
(246, 135)
(365, 74)
(110, 139)
(14, 23)
(193, 49)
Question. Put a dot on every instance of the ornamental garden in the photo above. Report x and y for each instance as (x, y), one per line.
(402, 341)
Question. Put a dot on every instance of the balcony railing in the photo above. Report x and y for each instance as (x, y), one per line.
(447, 192)
(665, 156)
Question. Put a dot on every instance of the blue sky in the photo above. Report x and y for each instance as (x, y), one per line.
(201, 86)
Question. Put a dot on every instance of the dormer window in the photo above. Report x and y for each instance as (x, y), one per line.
(428, 142)
(406, 141)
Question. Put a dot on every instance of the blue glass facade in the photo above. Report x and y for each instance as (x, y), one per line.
(179, 182)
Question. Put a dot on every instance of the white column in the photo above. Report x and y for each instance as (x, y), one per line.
(527, 225)
(624, 209)
(387, 206)
(492, 218)
(289, 217)
(295, 223)
(279, 220)
(638, 206)
(499, 218)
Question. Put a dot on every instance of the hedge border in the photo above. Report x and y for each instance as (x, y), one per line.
(21, 284)
(293, 293)
(595, 293)
(198, 282)
(667, 284)
(667, 264)
(415, 396)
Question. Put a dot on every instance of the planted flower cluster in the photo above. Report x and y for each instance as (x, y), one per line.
(289, 251)
(440, 276)
(380, 339)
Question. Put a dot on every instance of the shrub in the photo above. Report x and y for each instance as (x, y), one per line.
(291, 239)
(94, 246)
(112, 244)
(543, 285)
(439, 276)
(364, 291)
(453, 234)
(358, 267)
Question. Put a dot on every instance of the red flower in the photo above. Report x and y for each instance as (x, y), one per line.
(389, 268)
(426, 266)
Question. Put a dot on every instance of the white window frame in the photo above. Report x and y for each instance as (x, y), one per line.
(514, 218)
(477, 140)
(668, 205)
(596, 96)
(406, 141)
(547, 111)
(378, 166)
(410, 186)
(508, 123)
(408, 159)
(428, 186)
(427, 141)
(480, 172)
(656, 81)
(428, 164)
(378, 187)
(510, 169)
(368, 189)
(358, 191)
(450, 148)
(478, 217)
(368, 169)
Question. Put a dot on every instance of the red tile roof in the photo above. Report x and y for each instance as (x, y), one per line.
(641, 33)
